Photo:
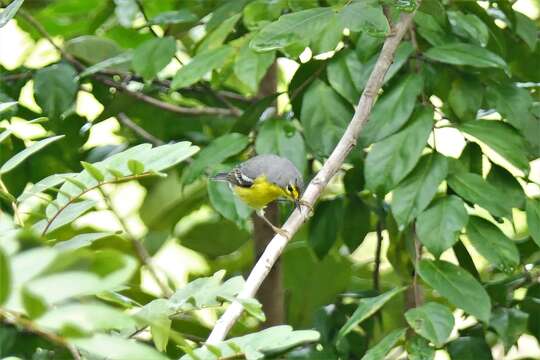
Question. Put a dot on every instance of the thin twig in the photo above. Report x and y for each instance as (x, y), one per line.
(377, 268)
(16, 319)
(126, 121)
(164, 105)
(319, 182)
(140, 250)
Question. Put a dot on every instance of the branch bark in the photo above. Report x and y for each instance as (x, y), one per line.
(127, 122)
(319, 182)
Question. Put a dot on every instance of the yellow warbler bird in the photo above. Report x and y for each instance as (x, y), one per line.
(263, 179)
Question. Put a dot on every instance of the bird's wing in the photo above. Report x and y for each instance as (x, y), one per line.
(237, 177)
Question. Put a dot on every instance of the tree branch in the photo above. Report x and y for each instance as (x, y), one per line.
(16, 319)
(319, 182)
(127, 122)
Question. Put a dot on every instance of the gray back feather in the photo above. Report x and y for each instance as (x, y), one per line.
(278, 170)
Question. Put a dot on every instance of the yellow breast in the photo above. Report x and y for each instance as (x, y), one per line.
(260, 193)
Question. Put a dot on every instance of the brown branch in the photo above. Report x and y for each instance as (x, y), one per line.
(127, 122)
(164, 105)
(16, 319)
(319, 182)
(140, 250)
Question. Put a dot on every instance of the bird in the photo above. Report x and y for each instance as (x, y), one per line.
(262, 179)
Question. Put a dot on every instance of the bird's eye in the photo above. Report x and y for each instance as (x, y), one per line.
(289, 188)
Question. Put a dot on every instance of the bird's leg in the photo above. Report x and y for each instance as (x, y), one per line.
(306, 204)
(276, 229)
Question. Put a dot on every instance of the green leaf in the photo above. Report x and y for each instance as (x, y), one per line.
(365, 16)
(418, 348)
(458, 286)
(4, 135)
(438, 227)
(329, 38)
(323, 112)
(7, 105)
(473, 188)
(392, 110)
(305, 273)
(9, 12)
(391, 159)
(5, 277)
(116, 348)
(92, 49)
(80, 241)
(206, 292)
(365, 309)
(465, 54)
(265, 343)
(153, 55)
(384, 346)
(230, 239)
(200, 65)
(118, 61)
(417, 190)
(136, 167)
(465, 97)
(250, 67)
(258, 13)
(514, 104)
(87, 318)
(469, 348)
(344, 75)
(93, 171)
(279, 136)
(533, 219)
(469, 26)
(500, 137)
(509, 324)
(301, 25)
(214, 154)
(492, 244)
(509, 187)
(55, 88)
(182, 16)
(156, 314)
(324, 226)
(525, 29)
(23, 155)
(431, 320)
(226, 203)
(216, 37)
(356, 225)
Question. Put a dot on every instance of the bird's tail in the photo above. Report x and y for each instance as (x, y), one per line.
(220, 176)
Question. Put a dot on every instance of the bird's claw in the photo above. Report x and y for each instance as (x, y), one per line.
(306, 204)
(281, 232)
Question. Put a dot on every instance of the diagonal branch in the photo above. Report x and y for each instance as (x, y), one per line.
(319, 182)
(127, 122)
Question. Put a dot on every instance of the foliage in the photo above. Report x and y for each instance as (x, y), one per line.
(444, 175)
